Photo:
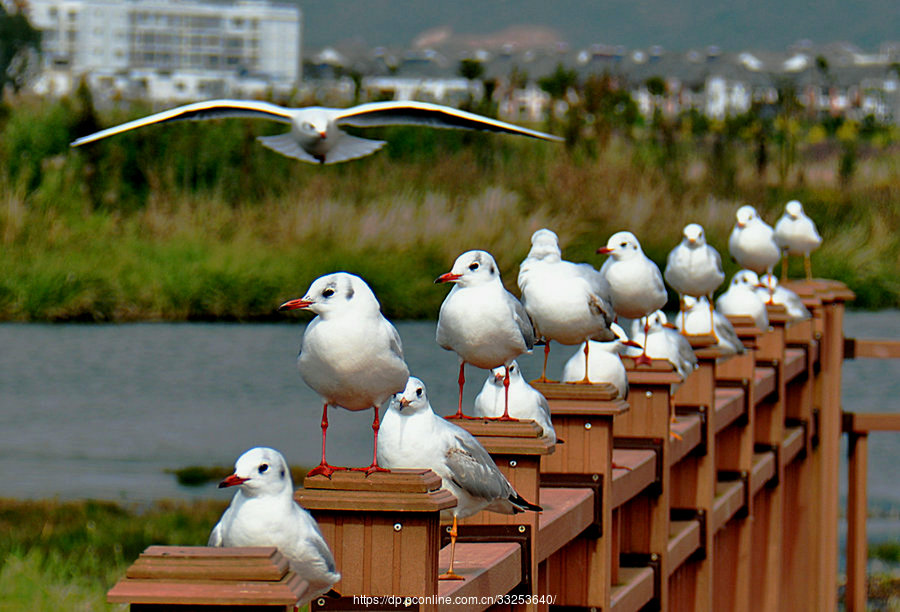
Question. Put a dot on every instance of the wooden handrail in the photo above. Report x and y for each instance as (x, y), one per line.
(876, 349)
(858, 425)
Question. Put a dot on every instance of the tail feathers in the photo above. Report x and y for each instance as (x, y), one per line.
(287, 145)
(352, 147)
(521, 504)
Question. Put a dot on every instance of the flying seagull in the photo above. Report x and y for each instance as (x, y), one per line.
(316, 135)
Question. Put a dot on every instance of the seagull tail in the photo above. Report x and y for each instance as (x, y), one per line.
(287, 145)
(521, 504)
(351, 147)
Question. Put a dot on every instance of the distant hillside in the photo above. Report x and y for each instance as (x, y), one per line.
(686, 24)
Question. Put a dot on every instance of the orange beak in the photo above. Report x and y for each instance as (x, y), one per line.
(449, 277)
(232, 481)
(604, 250)
(295, 304)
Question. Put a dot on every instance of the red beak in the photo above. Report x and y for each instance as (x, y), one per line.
(604, 250)
(323, 135)
(631, 343)
(295, 304)
(449, 277)
(403, 403)
(232, 481)
(669, 326)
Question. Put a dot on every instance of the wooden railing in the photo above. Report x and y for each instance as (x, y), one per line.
(721, 495)
(857, 427)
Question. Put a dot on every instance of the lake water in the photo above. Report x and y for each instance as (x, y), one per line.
(101, 411)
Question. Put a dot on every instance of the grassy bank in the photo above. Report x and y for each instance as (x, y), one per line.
(197, 221)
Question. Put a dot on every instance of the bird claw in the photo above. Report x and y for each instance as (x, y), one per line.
(326, 470)
(461, 416)
(505, 417)
(370, 470)
(643, 360)
(450, 576)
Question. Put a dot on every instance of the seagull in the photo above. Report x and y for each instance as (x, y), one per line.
(316, 135)
(567, 302)
(263, 513)
(605, 362)
(664, 342)
(525, 402)
(796, 233)
(635, 284)
(741, 299)
(796, 309)
(415, 437)
(694, 320)
(350, 354)
(752, 242)
(694, 268)
(480, 320)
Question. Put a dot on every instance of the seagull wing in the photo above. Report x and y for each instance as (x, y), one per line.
(210, 109)
(522, 320)
(473, 470)
(376, 114)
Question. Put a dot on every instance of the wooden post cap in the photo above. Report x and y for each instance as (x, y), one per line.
(416, 490)
(657, 372)
(508, 437)
(597, 392)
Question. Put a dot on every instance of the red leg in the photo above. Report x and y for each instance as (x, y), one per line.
(585, 380)
(462, 381)
(546, 356)
(450, 574)
(374, 467)
(323, 467)
(643, 358)
(712, 320)
(506, 416)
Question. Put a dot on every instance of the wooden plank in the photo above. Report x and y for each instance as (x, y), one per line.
(792, 444)
(223, 569)
(634, 591)
(689, 428)
(762, 472)
(637, 469)
(864, 422)
(567, 512)
(354, 501)
(764, 382)
(729, 499)
(501, 429)
(684, 540)
(214, 552)
(794, 363)
(874, 349)
(857, 501)
(729, 405)
(489, 569)
(285, 592)
(594, 392)
(403, 481)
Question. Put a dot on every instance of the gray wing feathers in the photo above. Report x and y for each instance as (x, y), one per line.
(287, 145)
(352, 147)
(215, 536)
(523, 321)
(473, 470)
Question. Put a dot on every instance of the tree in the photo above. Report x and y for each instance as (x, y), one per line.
(17, 36)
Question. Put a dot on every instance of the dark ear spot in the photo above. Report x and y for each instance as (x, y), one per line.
(350, 292)
(282, 472)
(492, 270)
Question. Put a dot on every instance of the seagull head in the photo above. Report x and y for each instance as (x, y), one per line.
(794, 209)
(472, 268)
(658, 320)
(693, 235)
(769, 281)
(545, 246)
(746, 278)
(260, 471)
(314, 124)
(412, 399)
(621, 245)
(336, 293)
(498, 374)
(745, 214)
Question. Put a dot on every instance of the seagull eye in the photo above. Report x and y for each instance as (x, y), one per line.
(624, 244)
(473, 266)
(419, 392)
(263, 467)
(328, 293)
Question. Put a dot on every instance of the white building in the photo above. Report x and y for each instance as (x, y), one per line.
(193, 44)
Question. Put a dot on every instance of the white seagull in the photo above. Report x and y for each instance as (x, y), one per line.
(752, 242)
(263, 513)
(480, 320)
(605, 362)
(350, 354)
(694, 268)
(635, 283)
(664, 342)
(415, 437)
(694, 320)
(796, 233)
(567, 302)
(316, 135)
(741, 299)
(796, 309)
(525, 402)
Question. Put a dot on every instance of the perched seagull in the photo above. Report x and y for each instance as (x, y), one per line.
(605, 362)
(316, 135)
(635, 284)
(796, 233)
(415, 437)
(350, 354)
(752, 242)
(664, 342)
(480, 320)
(694, 268)
(525, 402)
(796, 309)
(694, 320)
(741, 299)
(263, 513)
(567, 302)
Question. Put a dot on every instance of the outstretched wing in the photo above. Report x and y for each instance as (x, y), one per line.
(376, 114)
(209, 109)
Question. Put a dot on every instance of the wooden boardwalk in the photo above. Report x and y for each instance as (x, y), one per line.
(719, 495)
